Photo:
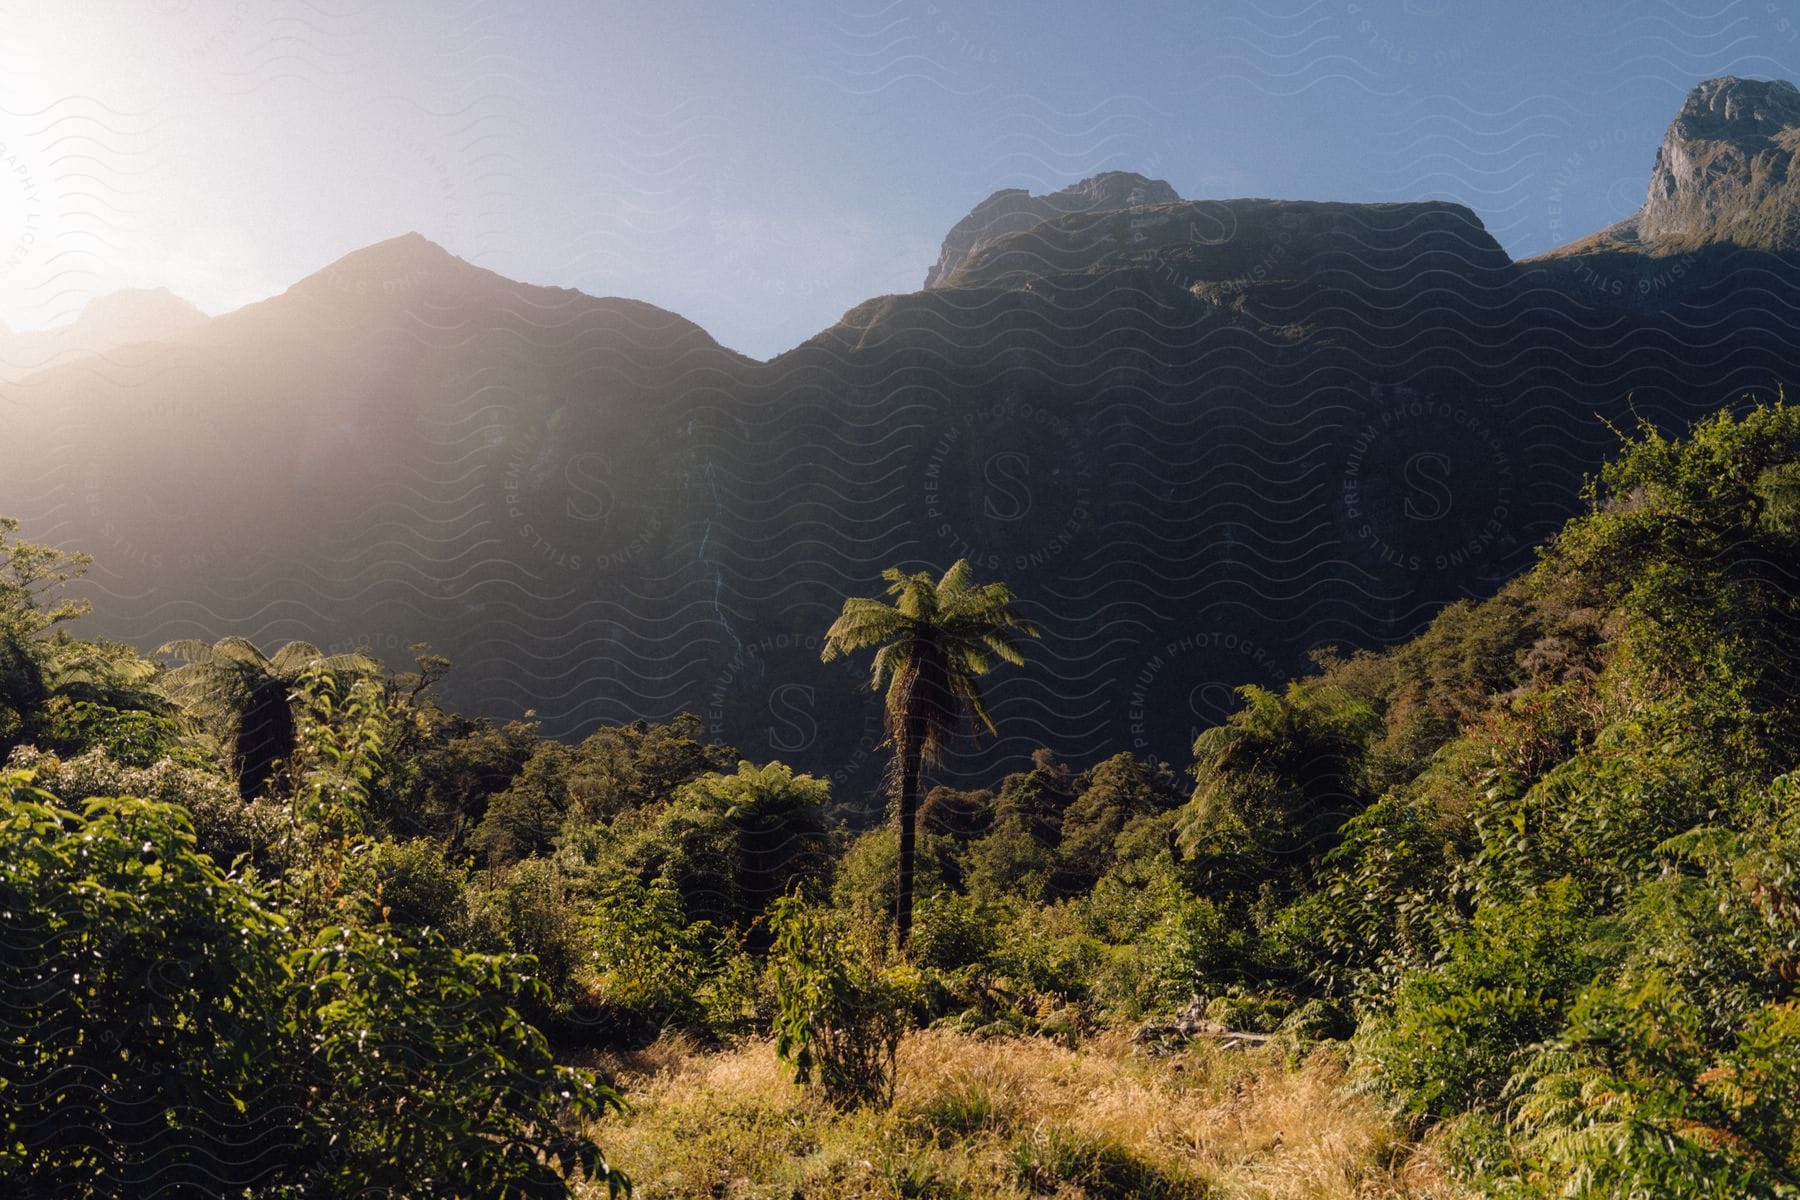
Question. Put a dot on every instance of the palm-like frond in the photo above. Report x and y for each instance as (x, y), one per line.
(294, 657)
(936, 638)
(186, 649)
(353, 663)
(246, 696)
(862, 624)
(218, 681)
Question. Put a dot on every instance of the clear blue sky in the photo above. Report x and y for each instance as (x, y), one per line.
(760, 167)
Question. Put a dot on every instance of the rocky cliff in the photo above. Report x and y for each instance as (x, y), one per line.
(1015, 210)
(1724, 172)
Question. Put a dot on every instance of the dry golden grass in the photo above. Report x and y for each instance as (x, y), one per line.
(975, 1119)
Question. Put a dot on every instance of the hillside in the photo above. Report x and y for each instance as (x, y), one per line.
(1522, 884)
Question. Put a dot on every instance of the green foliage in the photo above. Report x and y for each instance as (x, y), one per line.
(457, 765)
(1275, 783)
(30, 575)
(523, 820)
(171, 1032)
(1010, 861)
(1114, 794)
(731, 843)
(531, 908)
(438, 1085)
(953, 931)
(226, 827)
(145, 1003)
(135, 737)
(623, 768)
(1457, 1031)
(865, 882)
(838, 1021)
(1190, 949)
(413, 883)
(770, 831)
(338, 760)
(652, 962)
(1682, 1076)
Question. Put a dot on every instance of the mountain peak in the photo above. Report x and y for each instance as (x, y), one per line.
(395, 258)
(1730, 107)
(1015, 210)
(137, 314)
(1723, 172)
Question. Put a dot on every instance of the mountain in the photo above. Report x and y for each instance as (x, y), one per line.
(1722, 206)
(1723, 172)
(1015, 210)
(107, 323)
(1200, 439)
(401, 446)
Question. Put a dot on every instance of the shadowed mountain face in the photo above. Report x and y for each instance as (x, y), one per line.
(1199, 439)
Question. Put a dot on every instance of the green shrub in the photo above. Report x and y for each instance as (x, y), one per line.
(148, 1043)
(133, 737)
(732, 843)
(226, 826)
(951, 931)
(1249, 1011)
(413, 883)
(1456, 1032)
(650, 960)
(530, 908)
(838, 1022)
(171, 1033)
(427, 1079)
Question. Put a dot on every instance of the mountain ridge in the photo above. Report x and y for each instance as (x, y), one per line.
(1197, 458)
(109, 322)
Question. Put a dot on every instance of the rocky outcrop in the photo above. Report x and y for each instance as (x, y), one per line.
(1015, 210)
(1723, 183)
(1724, 172)
(1235, 244)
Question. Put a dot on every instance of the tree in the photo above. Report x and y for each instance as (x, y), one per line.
(936, 640)
(28, 572)
(523, 820)
(249, 695)
(732, 843)
(838, 1020)
(170, 1030)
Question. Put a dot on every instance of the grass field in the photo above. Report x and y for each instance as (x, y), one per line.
(1016, 1118)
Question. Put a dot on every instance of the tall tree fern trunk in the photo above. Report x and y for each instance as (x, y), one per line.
(265, 739)
(911, 757)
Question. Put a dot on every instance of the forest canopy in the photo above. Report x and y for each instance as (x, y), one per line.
(278, 924)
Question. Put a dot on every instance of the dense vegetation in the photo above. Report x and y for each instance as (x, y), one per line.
(1532, 876)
